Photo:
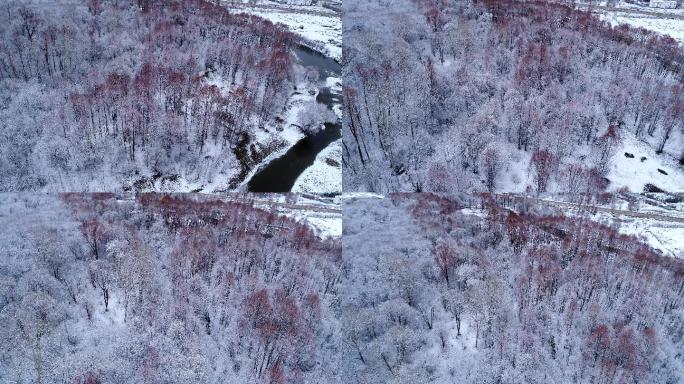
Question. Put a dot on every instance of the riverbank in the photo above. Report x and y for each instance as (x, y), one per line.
(281, 173)
(311, 163)
(290, 134)
(254, 151)
(321, 26)
(325, 175)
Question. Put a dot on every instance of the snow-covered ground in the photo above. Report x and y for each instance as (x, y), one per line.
(671, 27)
(315, 23)
(325, 175)
(322, 214)
(655, 229)
(326, 226)
(362, 195)
(623, 171)
(324, 217)
(516, 176)
(658, 222)
(634, 173)
(663, 236)
(656, 219)
(326, 30)
(660, 20)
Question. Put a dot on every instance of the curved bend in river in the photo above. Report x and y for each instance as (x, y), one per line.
(281, 174)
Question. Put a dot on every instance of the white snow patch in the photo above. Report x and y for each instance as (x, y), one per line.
(660, 225)
(327, 226)
(667, 237)
(671, 27)
(323, 215)
(473, 212)
(515, 178)
(323, 176)
(635, 174)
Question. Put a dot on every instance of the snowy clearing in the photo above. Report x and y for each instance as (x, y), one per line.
(634, 173)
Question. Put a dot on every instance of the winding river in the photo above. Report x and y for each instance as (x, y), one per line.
(280, 174)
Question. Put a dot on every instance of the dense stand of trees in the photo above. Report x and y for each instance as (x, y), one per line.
(165, 289)
(457, 96)
(435, 294)
(118, 87)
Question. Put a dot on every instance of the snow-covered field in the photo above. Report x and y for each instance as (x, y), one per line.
(670, 27)
(663, 236)
(516, 176)
(623, 171)
(315, 23)
(657, 231)
(660, 20)
(634, 173)
(323, 29)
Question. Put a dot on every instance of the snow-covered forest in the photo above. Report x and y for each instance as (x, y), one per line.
(99, 288)
(105, 288)
(506, 95)
(143, 95)
(491, 289)
(485, 191)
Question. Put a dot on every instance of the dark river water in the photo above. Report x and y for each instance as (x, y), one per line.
(280, 174)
